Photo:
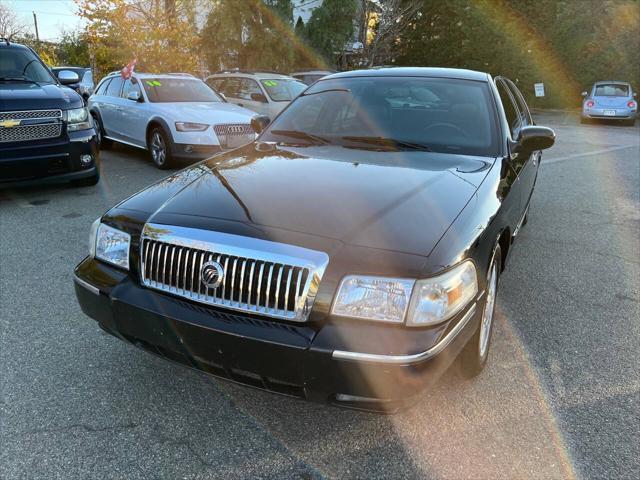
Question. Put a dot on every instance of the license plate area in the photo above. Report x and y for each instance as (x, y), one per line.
(609, 113)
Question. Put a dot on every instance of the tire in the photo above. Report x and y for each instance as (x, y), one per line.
(474, 355)
(103, 143)
(160, 147)
(629, 123)
(87, 182)
(584, 121)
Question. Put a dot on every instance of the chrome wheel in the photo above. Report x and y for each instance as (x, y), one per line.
(158, 148)
(489, 306)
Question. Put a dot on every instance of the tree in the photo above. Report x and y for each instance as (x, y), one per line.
(253, 34)
(331, 28)
(10, 26)
(73, 49)
(161, 35)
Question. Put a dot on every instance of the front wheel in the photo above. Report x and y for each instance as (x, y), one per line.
(160, 149)
(475, 353)
(103, 143)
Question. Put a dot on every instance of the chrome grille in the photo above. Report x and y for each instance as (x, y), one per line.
(261, 277)
(34, 125)
(44, 114)
(232, 135)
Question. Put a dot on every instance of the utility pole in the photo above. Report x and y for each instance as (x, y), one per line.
(35, 23)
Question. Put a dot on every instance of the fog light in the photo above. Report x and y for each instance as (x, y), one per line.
(188, 149)
(86, 159)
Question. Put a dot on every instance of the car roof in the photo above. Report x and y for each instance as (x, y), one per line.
(414, 72)
(313, 72)
(156, 75)
(604, 82)
(5, 43)
(245, 74)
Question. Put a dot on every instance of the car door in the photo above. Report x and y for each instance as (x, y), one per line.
(513, 203)
(134, 116)
(530, 163)
(109, 108)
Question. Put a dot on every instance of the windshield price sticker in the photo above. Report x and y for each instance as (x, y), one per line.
(270, 83)
(153, 83)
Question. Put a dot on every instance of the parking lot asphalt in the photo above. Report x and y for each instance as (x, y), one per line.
(558, 399)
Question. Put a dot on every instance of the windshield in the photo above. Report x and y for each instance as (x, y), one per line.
(612, 90)
(280, 90)
(169, 90)
(23, 65)
(438, 114)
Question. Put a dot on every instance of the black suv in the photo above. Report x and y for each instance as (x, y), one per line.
(46, 133)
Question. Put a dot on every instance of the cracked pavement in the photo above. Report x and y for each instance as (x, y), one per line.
(559, 398)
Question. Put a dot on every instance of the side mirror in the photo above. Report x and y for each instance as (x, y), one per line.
(532, 138)
(258, 97)
(584, 94)
(259, 123)
(67, 77)
(134, 96)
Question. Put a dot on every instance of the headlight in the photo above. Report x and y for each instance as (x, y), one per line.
(373, 298)
(109, 244)
(420, 303)
(78, 119)
(191, 127)
(439, 298)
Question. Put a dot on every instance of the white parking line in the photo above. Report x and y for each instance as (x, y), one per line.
(548, 161)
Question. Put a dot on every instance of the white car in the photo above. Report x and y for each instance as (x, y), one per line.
(266, 93)
(171, 115)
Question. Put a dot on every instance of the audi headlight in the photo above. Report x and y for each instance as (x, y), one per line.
(417, 303)
(78, 119)
(191, 127)
(109, 244)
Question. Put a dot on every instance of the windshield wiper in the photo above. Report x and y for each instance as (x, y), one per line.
(18, 79)
(312, 139)
(389, 142)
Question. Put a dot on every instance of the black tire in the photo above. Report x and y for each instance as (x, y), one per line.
(474, 355)
(160, 148)
(103, 143)
(87, 182)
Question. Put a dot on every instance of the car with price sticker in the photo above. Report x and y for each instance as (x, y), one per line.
(266, 93)
(173, 116)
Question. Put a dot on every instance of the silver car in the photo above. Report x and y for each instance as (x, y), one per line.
(610, 100)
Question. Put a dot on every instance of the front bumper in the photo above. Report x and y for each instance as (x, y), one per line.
(50, 161)
(188, 151)
(282, 358)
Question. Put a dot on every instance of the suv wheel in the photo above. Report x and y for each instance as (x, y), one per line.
(475, 354)
(103, 143)
(160, 148)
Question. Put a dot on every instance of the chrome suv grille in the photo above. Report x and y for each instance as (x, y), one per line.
(28, 125)
(256, 276)
(232, 135)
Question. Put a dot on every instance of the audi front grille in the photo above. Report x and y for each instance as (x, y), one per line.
(234, 135)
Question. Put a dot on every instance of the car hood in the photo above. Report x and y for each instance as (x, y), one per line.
(28, 96)
(397, 201)
(211, 113)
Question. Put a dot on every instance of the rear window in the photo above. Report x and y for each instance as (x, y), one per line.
(612, 90)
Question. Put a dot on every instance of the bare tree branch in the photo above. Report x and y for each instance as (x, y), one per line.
(10, 26)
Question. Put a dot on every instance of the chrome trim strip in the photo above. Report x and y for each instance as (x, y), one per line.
(125, 142)
(241, 249)
(408, 359)
(87, 285)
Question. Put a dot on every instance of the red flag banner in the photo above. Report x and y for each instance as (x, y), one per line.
(127, 71)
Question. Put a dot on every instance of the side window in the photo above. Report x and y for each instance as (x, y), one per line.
(130, 85)
(113, 90)
(103, 87)
(217, 84)
(87, 78)
(510, 110)
(247, 87)
(525, 115)
(230, 87)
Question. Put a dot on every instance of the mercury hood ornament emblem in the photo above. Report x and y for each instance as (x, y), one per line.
(211, 274)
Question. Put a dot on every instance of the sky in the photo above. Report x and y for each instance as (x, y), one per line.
(53, 16)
